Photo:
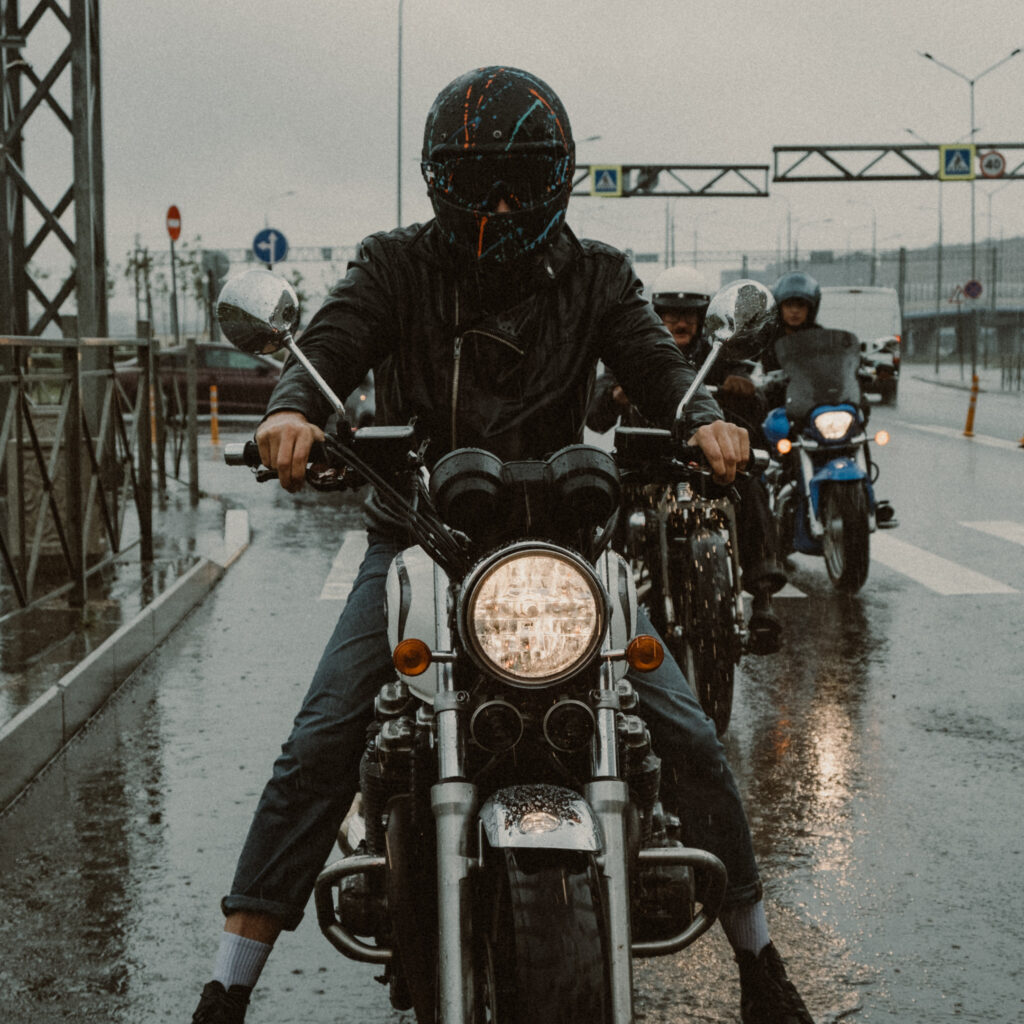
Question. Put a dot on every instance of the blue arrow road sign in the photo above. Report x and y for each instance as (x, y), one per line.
(270, 246)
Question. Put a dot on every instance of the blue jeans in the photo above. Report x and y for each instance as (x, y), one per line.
(315, 777)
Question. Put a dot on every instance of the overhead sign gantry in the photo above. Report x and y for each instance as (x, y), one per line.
(915, 162)
(623, 181)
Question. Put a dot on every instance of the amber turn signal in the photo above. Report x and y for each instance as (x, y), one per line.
(645, 653)
(411, 657)
(882, 437)
(785, 446)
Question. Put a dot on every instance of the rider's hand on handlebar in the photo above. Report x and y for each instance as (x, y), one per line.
(285, 439)
(725, 446)
(734, 384)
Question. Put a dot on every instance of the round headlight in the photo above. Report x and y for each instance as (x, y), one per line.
(534, 616)
(833, 425)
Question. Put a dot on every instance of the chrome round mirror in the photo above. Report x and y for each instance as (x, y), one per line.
(741, 316)
(257, 311)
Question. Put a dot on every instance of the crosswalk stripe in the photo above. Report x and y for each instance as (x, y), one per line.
(1003, 529)
(992, 442)
(339, 579)
(932, 571)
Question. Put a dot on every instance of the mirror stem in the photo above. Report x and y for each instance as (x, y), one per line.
(328, 391)
(716, 347)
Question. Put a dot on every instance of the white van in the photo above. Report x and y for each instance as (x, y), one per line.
(873, 315)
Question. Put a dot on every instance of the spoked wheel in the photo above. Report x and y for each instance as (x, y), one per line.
(844, 515)
(539, 937)
(710, 643)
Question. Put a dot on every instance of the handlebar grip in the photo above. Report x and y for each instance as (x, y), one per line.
(242, 454)
(760, 460)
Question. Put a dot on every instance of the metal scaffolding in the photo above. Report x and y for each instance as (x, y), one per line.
(50, 88)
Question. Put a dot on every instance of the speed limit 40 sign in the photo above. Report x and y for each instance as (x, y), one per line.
(992, 164)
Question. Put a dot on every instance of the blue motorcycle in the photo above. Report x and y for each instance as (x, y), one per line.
(821, 482)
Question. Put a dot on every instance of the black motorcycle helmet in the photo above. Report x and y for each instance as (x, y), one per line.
(799, 285)
(498, 133)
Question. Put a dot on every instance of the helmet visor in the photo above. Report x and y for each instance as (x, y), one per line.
(480, 182)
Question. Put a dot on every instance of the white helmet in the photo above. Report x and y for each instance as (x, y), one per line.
(680, 287)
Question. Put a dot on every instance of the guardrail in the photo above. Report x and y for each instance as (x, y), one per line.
(76, 465)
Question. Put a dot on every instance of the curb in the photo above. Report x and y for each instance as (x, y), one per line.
(33, 737)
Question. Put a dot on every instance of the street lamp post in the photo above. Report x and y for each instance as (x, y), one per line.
(696, 225)
(874, 236)
(971, 82)
(398, 169)
(796, 237)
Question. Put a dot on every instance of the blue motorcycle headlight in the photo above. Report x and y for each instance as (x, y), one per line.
(834, 425)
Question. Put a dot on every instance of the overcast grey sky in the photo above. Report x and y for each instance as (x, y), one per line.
(220, 107)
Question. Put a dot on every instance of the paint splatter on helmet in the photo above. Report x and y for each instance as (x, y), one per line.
(498, 133)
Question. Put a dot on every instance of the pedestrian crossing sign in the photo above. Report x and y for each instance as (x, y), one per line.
(956, 163)
(606, 180)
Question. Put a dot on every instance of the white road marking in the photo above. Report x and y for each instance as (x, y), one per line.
(339, 579)
(932, 571)
(1003, 529)
(992, 442)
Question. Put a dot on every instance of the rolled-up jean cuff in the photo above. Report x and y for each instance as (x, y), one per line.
(287, 917)
(751, 893)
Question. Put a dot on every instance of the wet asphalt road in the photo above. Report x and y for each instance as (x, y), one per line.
(880, 754)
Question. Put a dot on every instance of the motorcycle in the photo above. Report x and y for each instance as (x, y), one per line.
(682, 543)
(516, 853)
(879, 371)
(821, 485)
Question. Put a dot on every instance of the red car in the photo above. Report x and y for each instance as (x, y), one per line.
(244, 382)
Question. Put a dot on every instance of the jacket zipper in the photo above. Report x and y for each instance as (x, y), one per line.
(455, 383)
(459, 338)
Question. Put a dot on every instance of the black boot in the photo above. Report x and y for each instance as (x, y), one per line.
(220, 1006)
(764, 625)
(767, 996)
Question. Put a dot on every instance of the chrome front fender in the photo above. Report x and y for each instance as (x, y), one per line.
(540, 817)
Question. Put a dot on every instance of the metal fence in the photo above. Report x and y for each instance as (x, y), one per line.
(942, 323)
(77, 460)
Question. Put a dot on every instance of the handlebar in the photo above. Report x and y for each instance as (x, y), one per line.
(324, 471)
(693, 455)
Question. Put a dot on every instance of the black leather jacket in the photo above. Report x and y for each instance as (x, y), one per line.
(516, 382)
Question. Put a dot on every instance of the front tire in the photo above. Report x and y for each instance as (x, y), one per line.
(844, 515)
(540, 942)
(709, 648)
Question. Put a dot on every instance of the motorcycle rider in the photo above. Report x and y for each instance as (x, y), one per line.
(798, 296)
(483, 325)
(680, 296)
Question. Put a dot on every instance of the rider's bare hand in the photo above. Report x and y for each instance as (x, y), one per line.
(726, 447)
(284, 440)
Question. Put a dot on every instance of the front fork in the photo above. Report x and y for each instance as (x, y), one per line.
(455, 804)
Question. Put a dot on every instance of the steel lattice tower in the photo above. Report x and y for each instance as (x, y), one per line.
(52, 227)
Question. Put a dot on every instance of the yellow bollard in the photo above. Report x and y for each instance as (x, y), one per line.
(969, 426)
(214, 433)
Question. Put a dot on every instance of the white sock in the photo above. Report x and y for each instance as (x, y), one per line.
(746, 927)
(239, 960)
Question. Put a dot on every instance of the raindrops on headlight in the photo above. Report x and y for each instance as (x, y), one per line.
(534, 616)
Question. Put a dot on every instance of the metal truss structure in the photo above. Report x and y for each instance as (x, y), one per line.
(668, 180)
(50, 85)
(897, 162)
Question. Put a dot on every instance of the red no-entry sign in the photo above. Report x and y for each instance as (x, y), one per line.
(173, 223)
